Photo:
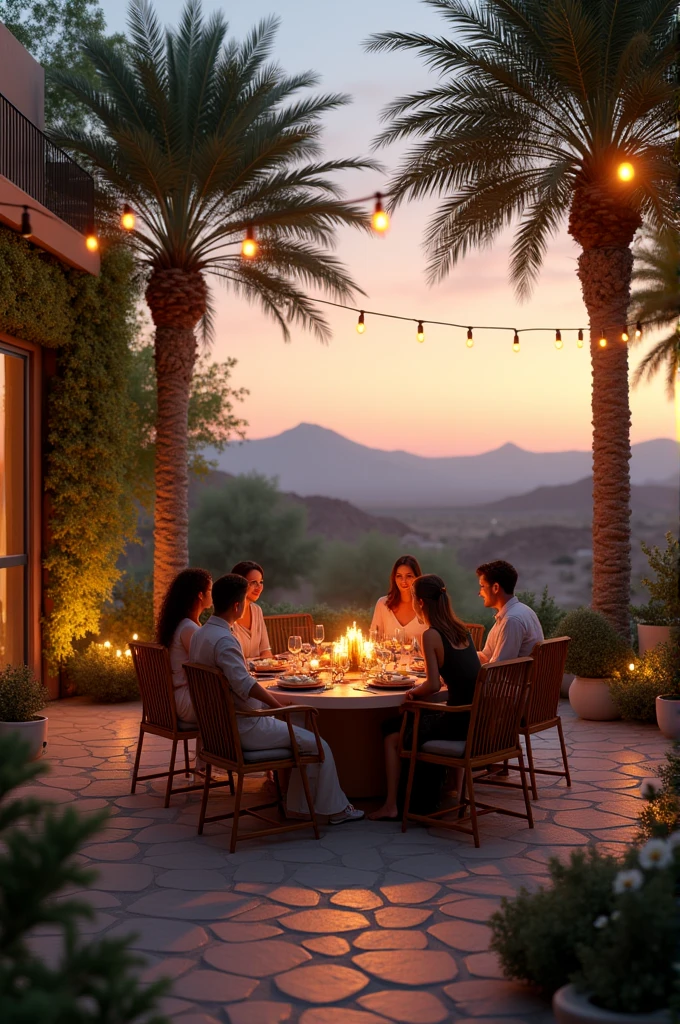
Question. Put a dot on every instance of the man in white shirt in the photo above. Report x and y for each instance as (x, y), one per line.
(516, 629)
(215, 645)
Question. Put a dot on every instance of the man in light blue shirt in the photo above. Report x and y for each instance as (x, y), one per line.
(516, 630)
(215, 645)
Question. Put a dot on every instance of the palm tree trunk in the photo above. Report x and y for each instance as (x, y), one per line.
(605, 276)
(177, 301)
(603, 223)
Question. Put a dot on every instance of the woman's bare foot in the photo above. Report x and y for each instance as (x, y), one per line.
(388, 812)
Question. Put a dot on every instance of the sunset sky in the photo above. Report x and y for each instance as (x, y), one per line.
(382, 388)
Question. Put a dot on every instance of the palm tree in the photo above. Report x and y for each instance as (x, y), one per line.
(207, 140)
(536, 106)
(657, 300)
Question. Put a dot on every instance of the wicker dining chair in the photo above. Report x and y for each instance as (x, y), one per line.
(280, 627)
(159, 714)
(499, 703)
(477, 631)
(220, 747)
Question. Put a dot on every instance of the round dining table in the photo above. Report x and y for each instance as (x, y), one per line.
(350, 719)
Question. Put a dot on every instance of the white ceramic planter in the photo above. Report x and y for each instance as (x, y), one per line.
(34, 733)
(567, 680)
(651, 636)
(572, 1007)
(591, 700)
(668, 716)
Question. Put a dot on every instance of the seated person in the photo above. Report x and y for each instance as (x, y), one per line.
(395, 610)
(189, 594)
(215, 644)
(250, 630)
(516, 629)
(450, 656)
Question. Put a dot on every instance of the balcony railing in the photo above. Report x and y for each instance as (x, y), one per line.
(43, 171)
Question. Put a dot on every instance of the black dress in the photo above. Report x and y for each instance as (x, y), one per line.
(459, 671)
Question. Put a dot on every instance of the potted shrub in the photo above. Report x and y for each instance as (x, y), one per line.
(22, 696)
(596, 651)
(656, 619)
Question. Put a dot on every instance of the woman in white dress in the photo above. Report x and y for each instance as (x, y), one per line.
(189, 594)
(250, 629)
(395, 610)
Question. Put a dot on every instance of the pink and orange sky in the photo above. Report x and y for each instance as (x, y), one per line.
(382, 388)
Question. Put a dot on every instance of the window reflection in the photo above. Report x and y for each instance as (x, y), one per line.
(12, 454)
(12, 615)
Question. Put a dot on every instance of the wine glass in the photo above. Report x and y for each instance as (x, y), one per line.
(319, 634)
(373, 636)
(295, 646)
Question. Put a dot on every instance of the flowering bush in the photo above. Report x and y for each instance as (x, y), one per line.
(613, 928)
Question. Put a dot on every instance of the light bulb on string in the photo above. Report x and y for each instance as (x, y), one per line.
(249, 245)
(624, 335)
(135, 636)
(579, 340)
(91, 240)
(638, 330)
(420, 335)
(603, 340)
(127, 219)
(380, 220)
(361, 326)
(25, 230)
(558, 340)
(515, 342)
(625, 171)
(469, 340)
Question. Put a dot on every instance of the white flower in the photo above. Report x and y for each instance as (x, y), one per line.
(628, 881)
(601, 922)
(656, 853)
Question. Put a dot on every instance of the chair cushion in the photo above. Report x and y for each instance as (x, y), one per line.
(186, 726)
(274, 754)
(445, 748)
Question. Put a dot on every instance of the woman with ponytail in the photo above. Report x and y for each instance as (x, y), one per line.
(450, 656)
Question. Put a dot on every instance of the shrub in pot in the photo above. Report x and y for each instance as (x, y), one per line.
(636, 687)
(656, 619)
(596, 651)
(22, 697)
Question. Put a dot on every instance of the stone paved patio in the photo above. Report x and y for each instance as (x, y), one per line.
(367, 926)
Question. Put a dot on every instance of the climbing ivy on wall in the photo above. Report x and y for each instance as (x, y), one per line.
(90, 322)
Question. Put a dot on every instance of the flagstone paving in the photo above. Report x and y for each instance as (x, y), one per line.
(367, 926)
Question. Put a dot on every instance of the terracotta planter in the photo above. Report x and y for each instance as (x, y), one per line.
(34, 733)
(591, 700)
(668, 716)
(567, 680)
(572, 1007)
(651, 636)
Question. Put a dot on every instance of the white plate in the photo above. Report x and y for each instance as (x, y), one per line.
(301, 683)
(395, 683)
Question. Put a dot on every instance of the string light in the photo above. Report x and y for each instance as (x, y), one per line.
(603, 340)
(380, 220)
(638, 330)
(91, 240)
(626, 171)
(119, 654)
(631, 667)
(135, 637)
(127, 219)
(107, 643)
(558, 340)
(421, 332)
(128, 653)
(470, 340)
(361, 326)
(249, 245)
(515, 343)
(579, 341)
(624, 336)
(25, 230)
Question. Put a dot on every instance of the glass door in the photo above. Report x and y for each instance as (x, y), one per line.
(13, 507)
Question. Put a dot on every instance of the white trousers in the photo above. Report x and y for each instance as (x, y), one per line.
(327, 795)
